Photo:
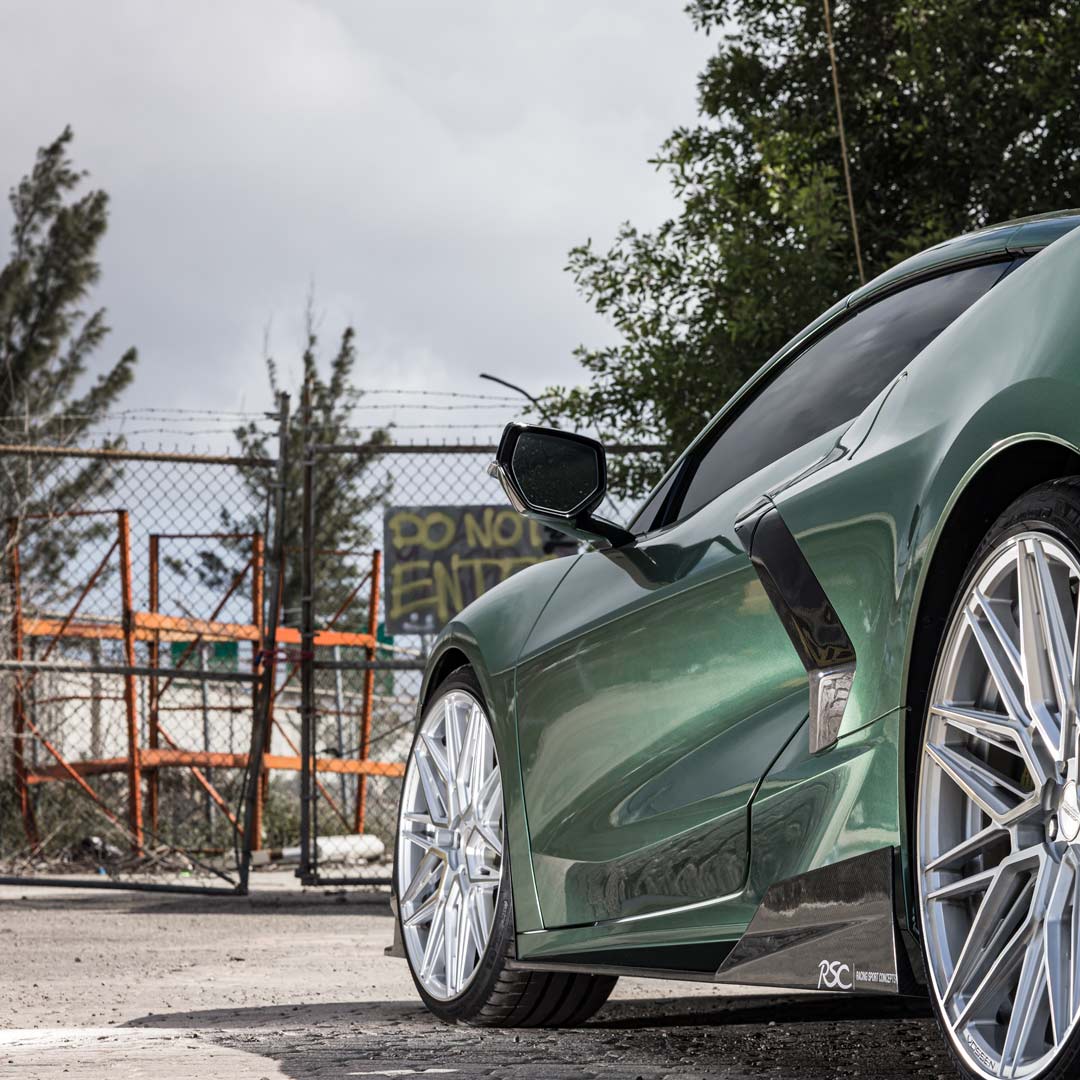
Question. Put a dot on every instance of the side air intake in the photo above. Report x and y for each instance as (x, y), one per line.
(810, 620)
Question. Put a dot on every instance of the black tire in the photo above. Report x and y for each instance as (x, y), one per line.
(1052, 508)
(498, 995)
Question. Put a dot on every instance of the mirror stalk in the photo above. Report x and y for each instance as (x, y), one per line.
(614, 535)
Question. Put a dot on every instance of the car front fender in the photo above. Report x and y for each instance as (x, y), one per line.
(489, 635)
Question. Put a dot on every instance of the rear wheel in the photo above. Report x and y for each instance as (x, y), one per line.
(452, 878)
(997, 815)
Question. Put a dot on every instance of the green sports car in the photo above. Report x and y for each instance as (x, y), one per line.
(810, 719)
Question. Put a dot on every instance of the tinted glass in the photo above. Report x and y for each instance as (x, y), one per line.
(834, 379)
(554, 473)
(646, 517)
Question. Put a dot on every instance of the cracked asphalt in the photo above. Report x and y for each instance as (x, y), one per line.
(293, 984)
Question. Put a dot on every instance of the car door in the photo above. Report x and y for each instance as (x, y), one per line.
(658, 684)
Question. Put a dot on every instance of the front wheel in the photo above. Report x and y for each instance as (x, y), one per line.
(452, 878)
(997, 815)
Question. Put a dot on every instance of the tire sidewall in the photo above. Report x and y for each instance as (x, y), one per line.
(500, 944)
(1038, 510)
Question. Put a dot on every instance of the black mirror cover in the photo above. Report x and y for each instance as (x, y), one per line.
(553, 472)
(556, 477)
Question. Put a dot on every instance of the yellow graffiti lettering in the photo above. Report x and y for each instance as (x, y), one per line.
(402, 587)
(499, 534)
(433, 520)
(478, 535)
(397, 524)
(449, 599)
(427, 585)
(433, 531)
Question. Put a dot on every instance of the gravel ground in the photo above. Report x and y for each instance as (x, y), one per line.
(291, 983)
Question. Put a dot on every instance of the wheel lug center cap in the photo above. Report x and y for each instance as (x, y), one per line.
(448, 839)
(1068, 813)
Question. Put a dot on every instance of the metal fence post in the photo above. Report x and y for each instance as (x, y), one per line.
(204, 700)
(22, 789)
(260, 726)
(369, 686)
(258, 569)
(131, 705)
(154, 650)
(308, 851)
(339, 723)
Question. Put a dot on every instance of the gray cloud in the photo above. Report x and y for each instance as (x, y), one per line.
(426, 165)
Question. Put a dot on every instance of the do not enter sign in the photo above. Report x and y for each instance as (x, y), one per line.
(440, 558)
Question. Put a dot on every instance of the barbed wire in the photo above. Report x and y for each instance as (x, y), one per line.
(445, 408)
(412, 414)
(134, 413)
(443, 393)
(447, 427)
(463, 401)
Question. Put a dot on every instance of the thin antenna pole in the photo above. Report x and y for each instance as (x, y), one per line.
(512, 386)
(843, 143)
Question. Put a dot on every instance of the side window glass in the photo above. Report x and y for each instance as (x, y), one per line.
(646, 518)
(832, 381)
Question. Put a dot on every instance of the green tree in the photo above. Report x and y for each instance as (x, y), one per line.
(47, 339)
(345, 491)
(957, 115)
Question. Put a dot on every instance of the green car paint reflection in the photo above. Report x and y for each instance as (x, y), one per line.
(649, 706)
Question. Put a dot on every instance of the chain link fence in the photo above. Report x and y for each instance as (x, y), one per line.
(196, 684)
(132, 619)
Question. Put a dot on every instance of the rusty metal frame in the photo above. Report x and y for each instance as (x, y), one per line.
(152, 627)
(130, 627)
(131, 702)
(157, 690)
(326, 637)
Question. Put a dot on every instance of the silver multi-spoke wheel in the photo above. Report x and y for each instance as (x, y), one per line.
(450, 844)
(998, 816)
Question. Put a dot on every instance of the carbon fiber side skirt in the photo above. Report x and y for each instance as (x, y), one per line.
(829, 929)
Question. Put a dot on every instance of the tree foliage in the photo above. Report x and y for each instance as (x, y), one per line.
(957, 115)
(344, 492)
(47, 340)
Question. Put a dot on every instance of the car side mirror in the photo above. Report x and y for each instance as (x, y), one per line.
(557, 478)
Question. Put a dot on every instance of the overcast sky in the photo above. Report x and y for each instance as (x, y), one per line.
(426, 164)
